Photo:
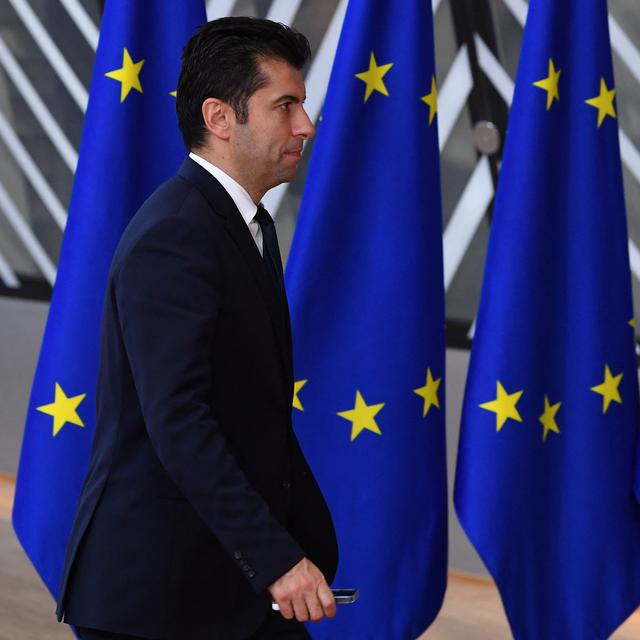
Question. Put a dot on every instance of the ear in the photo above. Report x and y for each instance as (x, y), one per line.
(218, 117)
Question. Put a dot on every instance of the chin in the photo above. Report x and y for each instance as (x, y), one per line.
(285, 176)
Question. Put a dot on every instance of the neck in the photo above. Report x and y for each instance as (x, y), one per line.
(228, 166)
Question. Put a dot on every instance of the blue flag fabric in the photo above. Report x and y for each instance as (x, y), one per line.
(365, 286)
(130, 144)
(544, 485)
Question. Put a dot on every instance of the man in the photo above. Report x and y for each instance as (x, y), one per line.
(199, 509)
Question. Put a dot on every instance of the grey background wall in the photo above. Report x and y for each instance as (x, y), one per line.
(21, 327)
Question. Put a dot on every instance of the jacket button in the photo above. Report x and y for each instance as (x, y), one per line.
(286, 484)
(237, 555)
(251, 573)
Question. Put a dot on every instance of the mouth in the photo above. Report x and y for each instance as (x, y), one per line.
(294, 153)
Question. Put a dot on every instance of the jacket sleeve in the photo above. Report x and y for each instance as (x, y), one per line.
(168, 296)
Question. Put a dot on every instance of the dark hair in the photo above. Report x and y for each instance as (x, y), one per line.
(222, 61)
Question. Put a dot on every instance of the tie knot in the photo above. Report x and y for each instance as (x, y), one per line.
(263, 217)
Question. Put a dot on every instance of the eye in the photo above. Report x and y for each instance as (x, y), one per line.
(285, 106)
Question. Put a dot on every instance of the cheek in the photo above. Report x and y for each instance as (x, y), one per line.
(269, 138)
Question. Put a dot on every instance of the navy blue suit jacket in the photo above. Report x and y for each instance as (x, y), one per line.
(197, 495)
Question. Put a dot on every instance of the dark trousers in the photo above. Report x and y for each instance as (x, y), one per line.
(275, 627)
(96, 634)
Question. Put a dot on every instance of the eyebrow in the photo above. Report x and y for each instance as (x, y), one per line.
(289, 98)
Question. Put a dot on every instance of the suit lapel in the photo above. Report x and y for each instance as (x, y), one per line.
(223, 205)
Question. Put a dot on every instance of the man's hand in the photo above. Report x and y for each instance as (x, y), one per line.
(303, 593)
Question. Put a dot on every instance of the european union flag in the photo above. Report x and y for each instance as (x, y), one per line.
(130, 145)
(365, 285)
(544, 484)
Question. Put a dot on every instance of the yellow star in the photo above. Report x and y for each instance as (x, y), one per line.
(609, 389)
(603, 102)
(432, 100)
(548, 418)
(429, 392)
(504, 406)
(362, 417)
(373, 77)
(550, 84)
(632, 323)
(296, 388)
(63, 410)
(173, 93)
(128, 75)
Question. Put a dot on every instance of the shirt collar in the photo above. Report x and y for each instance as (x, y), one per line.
(238, 193)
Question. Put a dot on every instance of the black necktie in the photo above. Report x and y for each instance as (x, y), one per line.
(270, 249)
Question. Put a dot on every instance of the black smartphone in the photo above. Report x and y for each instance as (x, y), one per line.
(345, 596)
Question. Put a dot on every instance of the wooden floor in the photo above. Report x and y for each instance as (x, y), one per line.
(471, 610)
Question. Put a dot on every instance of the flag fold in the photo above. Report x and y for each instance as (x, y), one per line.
(130, 145)
(544, 485)
(365, 286)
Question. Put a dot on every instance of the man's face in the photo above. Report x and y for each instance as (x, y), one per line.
(268, 147)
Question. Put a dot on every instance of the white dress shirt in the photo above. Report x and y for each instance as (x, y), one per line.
(239, 195)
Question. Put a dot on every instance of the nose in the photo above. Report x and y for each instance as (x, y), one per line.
(303, 127)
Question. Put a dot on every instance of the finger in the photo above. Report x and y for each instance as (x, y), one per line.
(300, 610)
(327, 600)
(315, 608)
(286, 610)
